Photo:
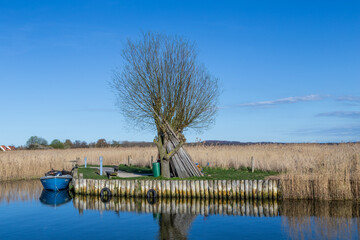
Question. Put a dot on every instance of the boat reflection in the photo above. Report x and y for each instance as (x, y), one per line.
(55, 198)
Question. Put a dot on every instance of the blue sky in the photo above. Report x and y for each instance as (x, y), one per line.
(289, 70)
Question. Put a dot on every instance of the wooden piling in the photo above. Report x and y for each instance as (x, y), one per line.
(197, 189)
(216, 190)
(247, 194)
(188, 189)
(250, 189)
(206, 189)
(193, 191)
(229, 193)
(211, 189)
(168, 191)
(265, 190)
(274, 189)
(259, 189)
(242, 189)
(254, 189)
(224, 189)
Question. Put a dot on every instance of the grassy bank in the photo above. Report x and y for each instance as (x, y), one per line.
(209, 173)
(328, 170)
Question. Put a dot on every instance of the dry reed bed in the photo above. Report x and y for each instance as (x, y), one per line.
(311, 171)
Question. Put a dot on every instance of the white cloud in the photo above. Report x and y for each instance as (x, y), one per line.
(308, 98)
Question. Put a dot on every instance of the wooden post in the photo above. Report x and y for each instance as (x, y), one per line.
(180, 190)
(252, 164)
(163, 188)
(151, 161)
(193, 192)
(123, 188)
(168, 194)
(172, 189)
(211, 189)
(197, 189)
(158, 189)
(183, 190)
(270, 191)
(250, 189)
(118, 184)
(229, 192)
(254, 188)
(274, 189)
(246, 185)
(202, 189)
(188, 189)
(224, 189)
(206, 189)
(259, 189)
(265, 192)
(216, 189)
(129, 160)
(127, 188)
(242, 189)
(279, 190)
(233, 189)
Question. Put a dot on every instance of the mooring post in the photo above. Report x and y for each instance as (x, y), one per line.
(101, 165)
(252, 164)
(85, 159)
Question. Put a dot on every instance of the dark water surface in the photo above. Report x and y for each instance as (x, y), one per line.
(28, 212)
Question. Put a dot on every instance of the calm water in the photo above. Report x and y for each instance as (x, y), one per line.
(28, 212)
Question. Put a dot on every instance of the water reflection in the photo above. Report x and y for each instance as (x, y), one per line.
(20, 190)
(55, 198)
(179, 206)
(299, 219)
(321, 219)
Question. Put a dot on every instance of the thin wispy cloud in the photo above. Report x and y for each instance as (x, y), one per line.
(288, 100)
(341, 114)
(348, 98)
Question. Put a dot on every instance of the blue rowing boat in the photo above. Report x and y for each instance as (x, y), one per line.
(56, 180)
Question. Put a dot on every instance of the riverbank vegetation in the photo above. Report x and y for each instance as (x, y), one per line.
(309, 170)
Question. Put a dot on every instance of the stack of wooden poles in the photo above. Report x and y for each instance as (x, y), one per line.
(181, 164)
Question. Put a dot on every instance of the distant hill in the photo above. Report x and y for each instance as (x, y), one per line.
(236, 143)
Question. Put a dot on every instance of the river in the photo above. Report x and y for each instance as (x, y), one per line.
(29, 212)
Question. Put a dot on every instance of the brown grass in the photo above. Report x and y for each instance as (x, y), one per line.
(311, 171)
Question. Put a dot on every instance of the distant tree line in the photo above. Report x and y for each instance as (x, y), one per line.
(35, 142)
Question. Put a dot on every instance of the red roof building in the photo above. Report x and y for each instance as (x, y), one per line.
(7, 148)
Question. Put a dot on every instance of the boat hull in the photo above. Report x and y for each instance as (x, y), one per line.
(56, 183)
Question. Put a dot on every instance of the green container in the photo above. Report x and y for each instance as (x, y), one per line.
(156, 169)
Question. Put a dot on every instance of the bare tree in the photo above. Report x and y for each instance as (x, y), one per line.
(163, 86)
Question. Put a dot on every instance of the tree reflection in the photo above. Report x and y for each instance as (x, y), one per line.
(174, 226)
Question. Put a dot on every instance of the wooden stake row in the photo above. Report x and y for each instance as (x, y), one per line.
(203, 189)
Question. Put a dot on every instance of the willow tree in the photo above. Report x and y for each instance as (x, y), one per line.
(162, 85)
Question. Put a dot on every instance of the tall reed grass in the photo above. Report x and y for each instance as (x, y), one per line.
(309, 171)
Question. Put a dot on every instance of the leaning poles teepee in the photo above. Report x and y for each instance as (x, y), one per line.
(181, 164)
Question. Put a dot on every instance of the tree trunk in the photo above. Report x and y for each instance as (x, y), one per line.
(165, 168)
